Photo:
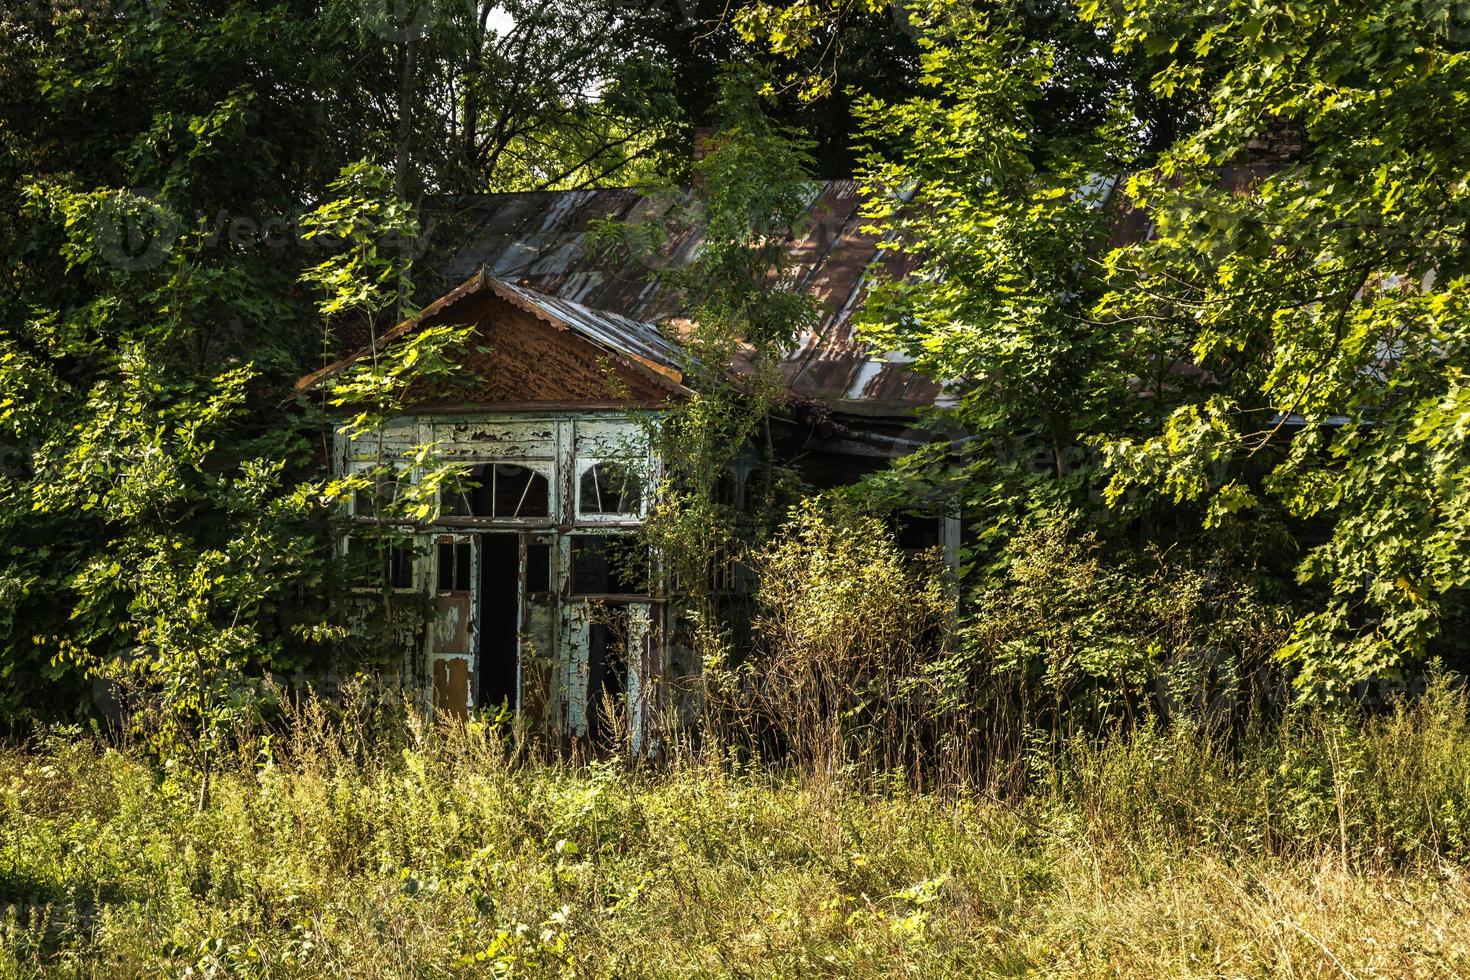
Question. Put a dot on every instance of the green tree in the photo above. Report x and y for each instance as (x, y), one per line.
(745, 306)
(480, 96)
(1273, 372)
(1003, 202)
(1326, 300)
(147, 336)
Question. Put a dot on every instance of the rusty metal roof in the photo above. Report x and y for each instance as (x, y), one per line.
(638, 342)
(541, 243)
(612, 331)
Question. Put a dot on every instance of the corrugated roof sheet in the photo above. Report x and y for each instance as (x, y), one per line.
(541, 243)
(610, 330)
(637, 343)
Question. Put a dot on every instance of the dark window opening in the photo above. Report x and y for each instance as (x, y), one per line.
(389, 563)
(753, 490)
(727, 489)
(916, 533)
(722, 574)
(609, 564)
(454, 566)
(400, 566)
(610, 488)
(500, 490)
(538, 567)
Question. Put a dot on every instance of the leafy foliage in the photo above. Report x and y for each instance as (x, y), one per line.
(498, 95)
(145, 337)
(1329, 302)
(848, 636)
(1216, 307)
(746, 306)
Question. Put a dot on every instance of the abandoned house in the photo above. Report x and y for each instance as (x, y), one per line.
(574, 362)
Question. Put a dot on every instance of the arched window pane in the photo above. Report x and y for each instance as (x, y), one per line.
(520, 492)
(610, 488)
(500, 490)
(377, 500)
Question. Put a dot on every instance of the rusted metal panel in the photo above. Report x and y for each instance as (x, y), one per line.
(543, 238)
(541, 243)
(612, 330)
(535, 252)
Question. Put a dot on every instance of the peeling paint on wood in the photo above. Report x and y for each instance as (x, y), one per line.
(452, 684)
(552, 627)
(452, 623)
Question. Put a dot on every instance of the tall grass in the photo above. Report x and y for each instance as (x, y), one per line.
(864, 795)
(1318, 849)
(1370, 790)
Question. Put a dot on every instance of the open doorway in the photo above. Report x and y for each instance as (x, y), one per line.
(607, 673)
(500, 613)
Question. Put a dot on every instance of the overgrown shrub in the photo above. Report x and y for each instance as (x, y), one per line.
(856, 660)
(845, 632)
(1389, 788)
(1067, 640)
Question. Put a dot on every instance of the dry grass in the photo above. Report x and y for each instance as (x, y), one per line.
(1151, 857)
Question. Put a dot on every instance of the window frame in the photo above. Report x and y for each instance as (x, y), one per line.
(574, 587)
(402, 473)
(546, 469)
(640, 465)
(408, 546)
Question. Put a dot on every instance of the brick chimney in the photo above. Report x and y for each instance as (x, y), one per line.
(706, 141)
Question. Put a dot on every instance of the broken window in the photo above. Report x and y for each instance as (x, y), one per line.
(388, 563)
(727, 488)
(609, 564)
(375, 501)
(500, 490)
(455, 567)
(753, 490)
(607, 673)
(722, 574)
(400, 566)
(610, 487)
(914, 533)
(538, 567)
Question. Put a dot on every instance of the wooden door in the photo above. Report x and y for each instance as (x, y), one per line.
(454, 635)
